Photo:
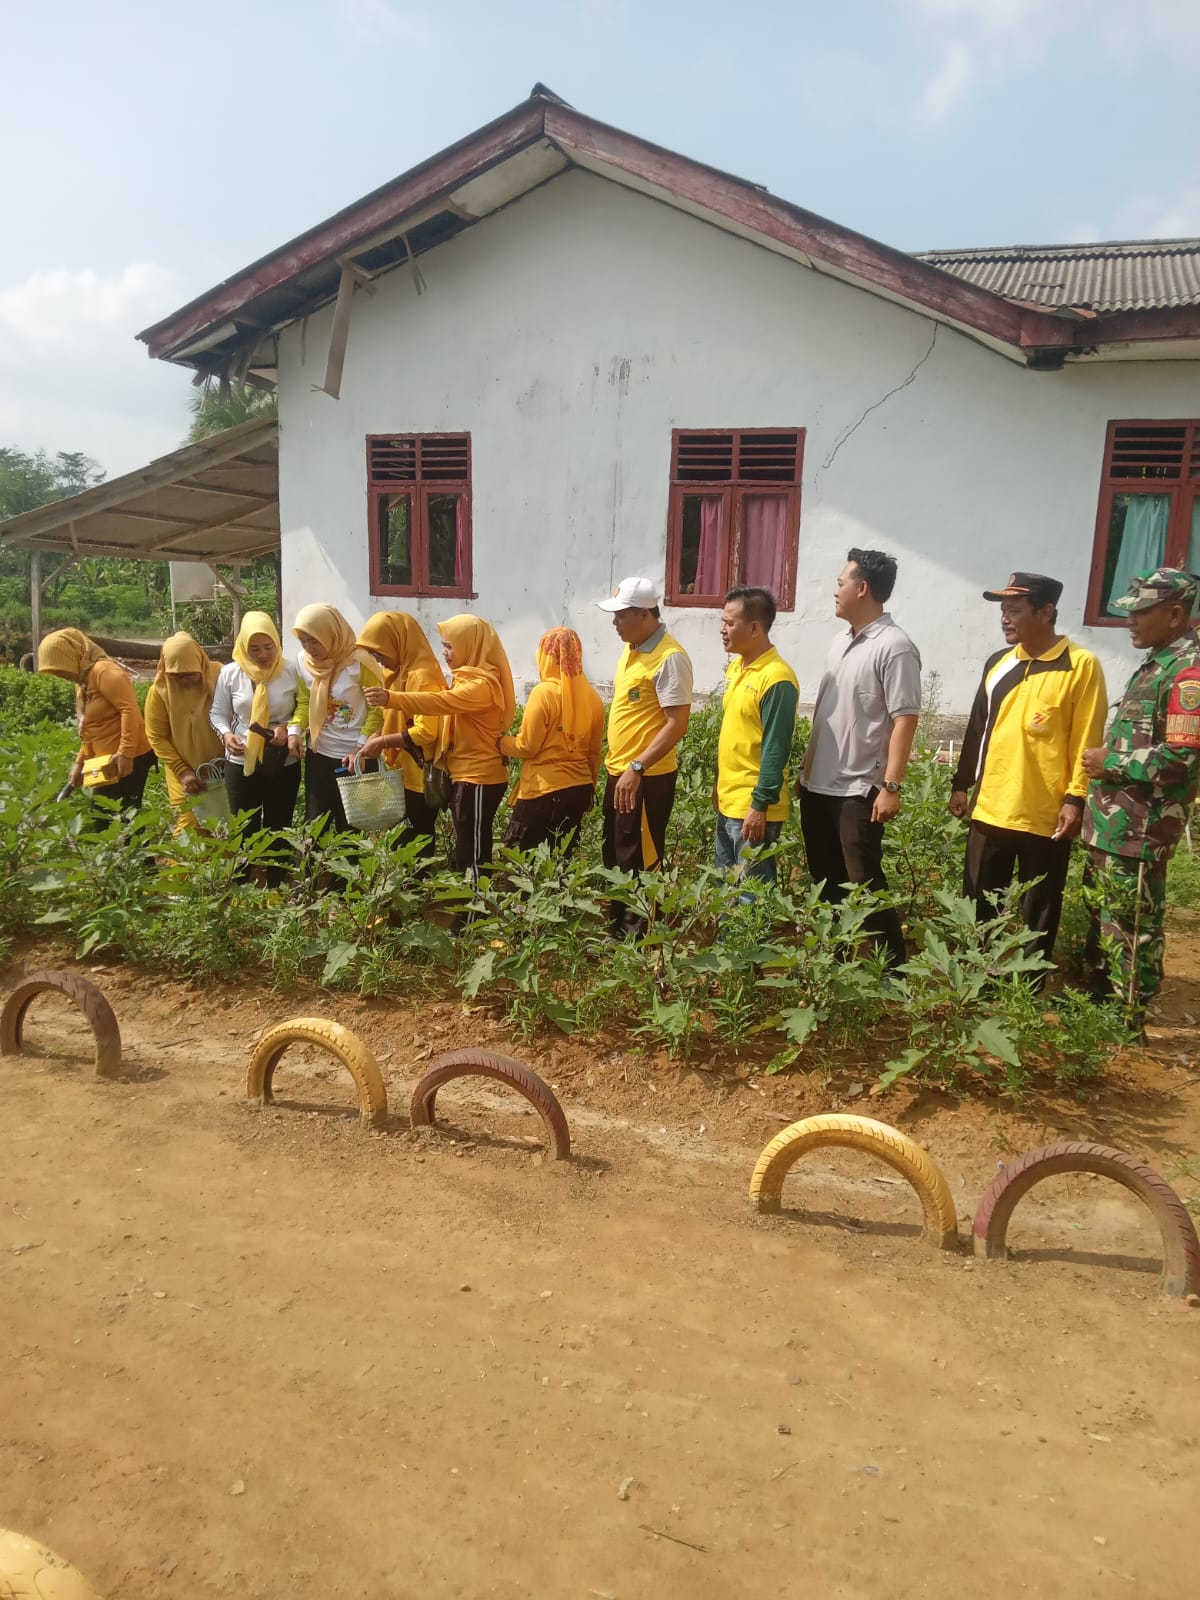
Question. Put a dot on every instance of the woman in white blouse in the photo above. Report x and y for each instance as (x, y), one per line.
(331, 705)
(254, 712)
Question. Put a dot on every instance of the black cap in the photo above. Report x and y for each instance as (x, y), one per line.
(1032, 586)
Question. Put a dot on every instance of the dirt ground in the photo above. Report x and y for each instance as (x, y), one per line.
(259, 1353)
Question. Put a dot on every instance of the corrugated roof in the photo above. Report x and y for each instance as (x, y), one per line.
(1129, 275)
(215, 500)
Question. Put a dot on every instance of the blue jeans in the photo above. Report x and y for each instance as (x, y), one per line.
(731, 845)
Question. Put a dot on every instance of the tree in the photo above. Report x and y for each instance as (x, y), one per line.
(214, 412)
(27, 482)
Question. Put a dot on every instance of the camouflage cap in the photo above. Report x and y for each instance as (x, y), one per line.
(1164, 583)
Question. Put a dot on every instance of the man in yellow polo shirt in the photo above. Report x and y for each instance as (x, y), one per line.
(761, 696)
(1040, 705)
(651, 704)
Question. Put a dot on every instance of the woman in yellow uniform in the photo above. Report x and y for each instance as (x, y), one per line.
(479, 705)
(559, 748)
(110, 721)
(398, 643)
(331, 704)
(177, 720)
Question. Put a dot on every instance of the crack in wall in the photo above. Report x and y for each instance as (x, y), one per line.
(883, 399)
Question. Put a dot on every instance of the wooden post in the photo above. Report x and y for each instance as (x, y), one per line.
(35, 600)
(235, 589)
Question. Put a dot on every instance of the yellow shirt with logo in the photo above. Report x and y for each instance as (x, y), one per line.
(1033, 718)
(740, 748)
(635, 715)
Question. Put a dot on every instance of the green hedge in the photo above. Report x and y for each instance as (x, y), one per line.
(29, 700)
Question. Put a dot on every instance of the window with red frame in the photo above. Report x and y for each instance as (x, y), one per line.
(1149, 513)
(734, 515)
(419, 506)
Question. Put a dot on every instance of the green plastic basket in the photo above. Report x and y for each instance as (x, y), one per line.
(213, 804)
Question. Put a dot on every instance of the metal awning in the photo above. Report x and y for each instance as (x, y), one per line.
(215, 501)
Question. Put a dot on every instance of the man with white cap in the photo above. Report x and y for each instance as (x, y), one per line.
(651, 704)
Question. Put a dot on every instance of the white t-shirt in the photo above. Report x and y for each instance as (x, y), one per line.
(348, 710)
(233, 698)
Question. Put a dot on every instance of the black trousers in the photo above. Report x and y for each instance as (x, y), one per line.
(844, 846)
(993, 854)
(420, 822)
(268, 794)
(322, 797)
(473, 808)
(621, 845)
(268, 797)
(129, 790)
(553, 818)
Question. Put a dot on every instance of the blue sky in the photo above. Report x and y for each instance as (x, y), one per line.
(155, 147)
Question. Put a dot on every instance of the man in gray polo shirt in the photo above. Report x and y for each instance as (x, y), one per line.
(863, 726)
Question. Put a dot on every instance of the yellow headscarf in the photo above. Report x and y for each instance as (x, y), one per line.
(327, 624)
(187, 708)
(560, 659)
(260, 710)
(71, 652)
(481, 658)
(401, 639)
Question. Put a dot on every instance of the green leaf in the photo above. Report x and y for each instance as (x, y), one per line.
(45, 880)
(798, 1023)
(479, 973)
(337, 959)
(993, 1038)
(900, 1067)
(560, 1014)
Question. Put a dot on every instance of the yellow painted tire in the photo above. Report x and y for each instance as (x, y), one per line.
(28, 1568)
(340, 1042)
(875, 1138)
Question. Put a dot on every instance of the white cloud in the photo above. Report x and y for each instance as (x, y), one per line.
(948, 87)
(370, 17)
(1181, 219)
(73, 377)
(979, 40)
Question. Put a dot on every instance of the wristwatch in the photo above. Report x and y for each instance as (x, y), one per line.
(892, 788)
(636, 766)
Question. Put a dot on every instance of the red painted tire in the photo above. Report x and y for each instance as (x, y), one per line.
(1181, 1247)
(490, 1064)
(100, 1016)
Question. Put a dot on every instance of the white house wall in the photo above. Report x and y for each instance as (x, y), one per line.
(570, 333)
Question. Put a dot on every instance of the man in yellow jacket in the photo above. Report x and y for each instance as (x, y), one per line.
(1040, 705)
(651, 704)
(759, 714)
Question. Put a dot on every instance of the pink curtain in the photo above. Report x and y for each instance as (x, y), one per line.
(708, 560)
(764, 540)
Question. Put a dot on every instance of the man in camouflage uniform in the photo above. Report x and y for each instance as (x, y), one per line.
(1144, 782)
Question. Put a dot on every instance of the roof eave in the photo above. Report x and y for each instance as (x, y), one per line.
(198, 333)
(516, 129)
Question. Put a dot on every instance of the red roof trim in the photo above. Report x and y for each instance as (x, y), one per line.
(827, 243)
(447, 170)
(788, 224)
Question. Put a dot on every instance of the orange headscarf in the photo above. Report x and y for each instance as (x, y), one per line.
(560, 660)
(67, 650)
(401, 639)
(187, 708)
(481, 659)
(327, 624)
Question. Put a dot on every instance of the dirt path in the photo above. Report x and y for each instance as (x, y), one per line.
(260, 1354)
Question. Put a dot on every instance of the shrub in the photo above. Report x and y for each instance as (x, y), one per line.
(29, 700)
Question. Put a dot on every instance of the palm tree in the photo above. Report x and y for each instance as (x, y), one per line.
(214, 412)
